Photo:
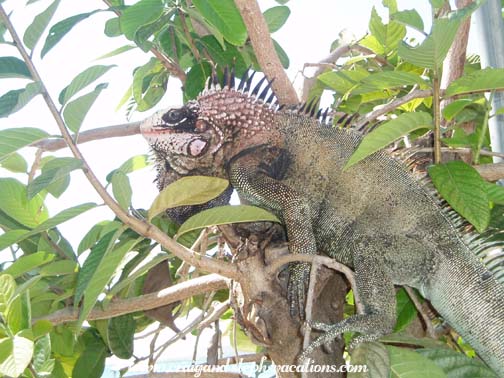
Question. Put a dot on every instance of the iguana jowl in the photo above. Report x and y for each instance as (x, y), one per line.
(375, 217)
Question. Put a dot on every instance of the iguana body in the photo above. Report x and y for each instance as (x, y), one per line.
(375, 217)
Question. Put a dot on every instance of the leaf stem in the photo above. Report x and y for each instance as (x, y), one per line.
(436, 103)
(484, 128)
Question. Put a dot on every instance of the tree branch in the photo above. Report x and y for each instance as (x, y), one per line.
(321, 260)
(265, 51)
(140, 226)
(114, 131)
(163, 297)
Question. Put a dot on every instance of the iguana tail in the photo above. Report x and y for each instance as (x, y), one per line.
(470, 298)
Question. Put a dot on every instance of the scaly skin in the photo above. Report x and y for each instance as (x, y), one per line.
(374, 217)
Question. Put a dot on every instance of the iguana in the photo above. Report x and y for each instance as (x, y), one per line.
(375, 217)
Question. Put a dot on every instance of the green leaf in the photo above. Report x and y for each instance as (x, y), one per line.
(408, 341)
(27, 263)
(196, 79)
(117, 51)
(226, 215)
(14, 163)
(409, 17)
(19, 313)
(191, 190)
(42, 362)
(7, 289)
(437, 3)
(91, 237)
(388, 80)
(91, 263)
(15, 355)
(464, 190)
(81, 81)
(60, 29)
(343, 81)
(76, 110)
(457, 365)
(113, 28)
(407, 363)
(121, 332)
(388, 35)
(282, 55)
(16, 99)
(143, 74)
(103, 273)
(59, 268)
(12, 67)
(141, 13)
(14, 202)
(495, 193)
(53, 171)
(387, 133)
(275, 17)
(455, 107)
(15, 236)
(39, 24)
(488, 79)
(227, 55)
(432, 51)
(224, 15)
(375, 356)
(91, 363)
(12, 140)
(134, 163)
(41, 328)
(8, 102)
(121, 189)
(406, 310)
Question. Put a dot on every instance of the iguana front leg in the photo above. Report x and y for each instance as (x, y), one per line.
(376, 293)
(250, 177)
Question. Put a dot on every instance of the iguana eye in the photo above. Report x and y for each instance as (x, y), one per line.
(174, 116)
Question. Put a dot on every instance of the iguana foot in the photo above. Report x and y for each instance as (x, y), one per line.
(369, 325)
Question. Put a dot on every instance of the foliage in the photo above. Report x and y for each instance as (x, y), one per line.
(47, 273)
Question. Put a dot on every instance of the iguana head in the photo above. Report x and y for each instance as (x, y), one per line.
(200, 137)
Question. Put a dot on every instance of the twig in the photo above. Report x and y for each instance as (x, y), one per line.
(428, 324)
(254, 357)
(490, 172)
(152, 347)
(163, 297)
(140, 226)
(436, 110)
(384, 109)
(265, 51)
(310, 299)
(191, 327)
(330, 62)
(216, 313)
(459, 150)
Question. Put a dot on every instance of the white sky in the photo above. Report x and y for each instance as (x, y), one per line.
(306, 37)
